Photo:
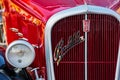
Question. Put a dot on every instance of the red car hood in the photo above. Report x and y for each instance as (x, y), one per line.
(47, 8)
(105, 3)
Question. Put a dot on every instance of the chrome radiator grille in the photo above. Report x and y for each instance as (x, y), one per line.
(103, 45)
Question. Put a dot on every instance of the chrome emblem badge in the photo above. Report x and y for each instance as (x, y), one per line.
(61, 49)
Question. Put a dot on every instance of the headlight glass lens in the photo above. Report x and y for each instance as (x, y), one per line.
(20, 54)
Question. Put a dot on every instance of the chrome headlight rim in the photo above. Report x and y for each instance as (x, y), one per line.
(19, 42)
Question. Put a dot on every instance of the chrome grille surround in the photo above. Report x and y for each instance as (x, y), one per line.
(70, 12)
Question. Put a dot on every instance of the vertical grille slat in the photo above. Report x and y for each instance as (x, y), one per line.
(103, 43)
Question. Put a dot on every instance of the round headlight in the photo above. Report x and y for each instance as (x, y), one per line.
(20, 54)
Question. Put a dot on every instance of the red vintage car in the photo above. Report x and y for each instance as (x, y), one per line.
(63, 40)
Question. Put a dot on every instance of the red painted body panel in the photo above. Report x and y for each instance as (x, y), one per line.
(47, 8)
(41, 11)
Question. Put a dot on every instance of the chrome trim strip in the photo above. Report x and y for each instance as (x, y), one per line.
(117, 75)
(86, 52)
(62, 14)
